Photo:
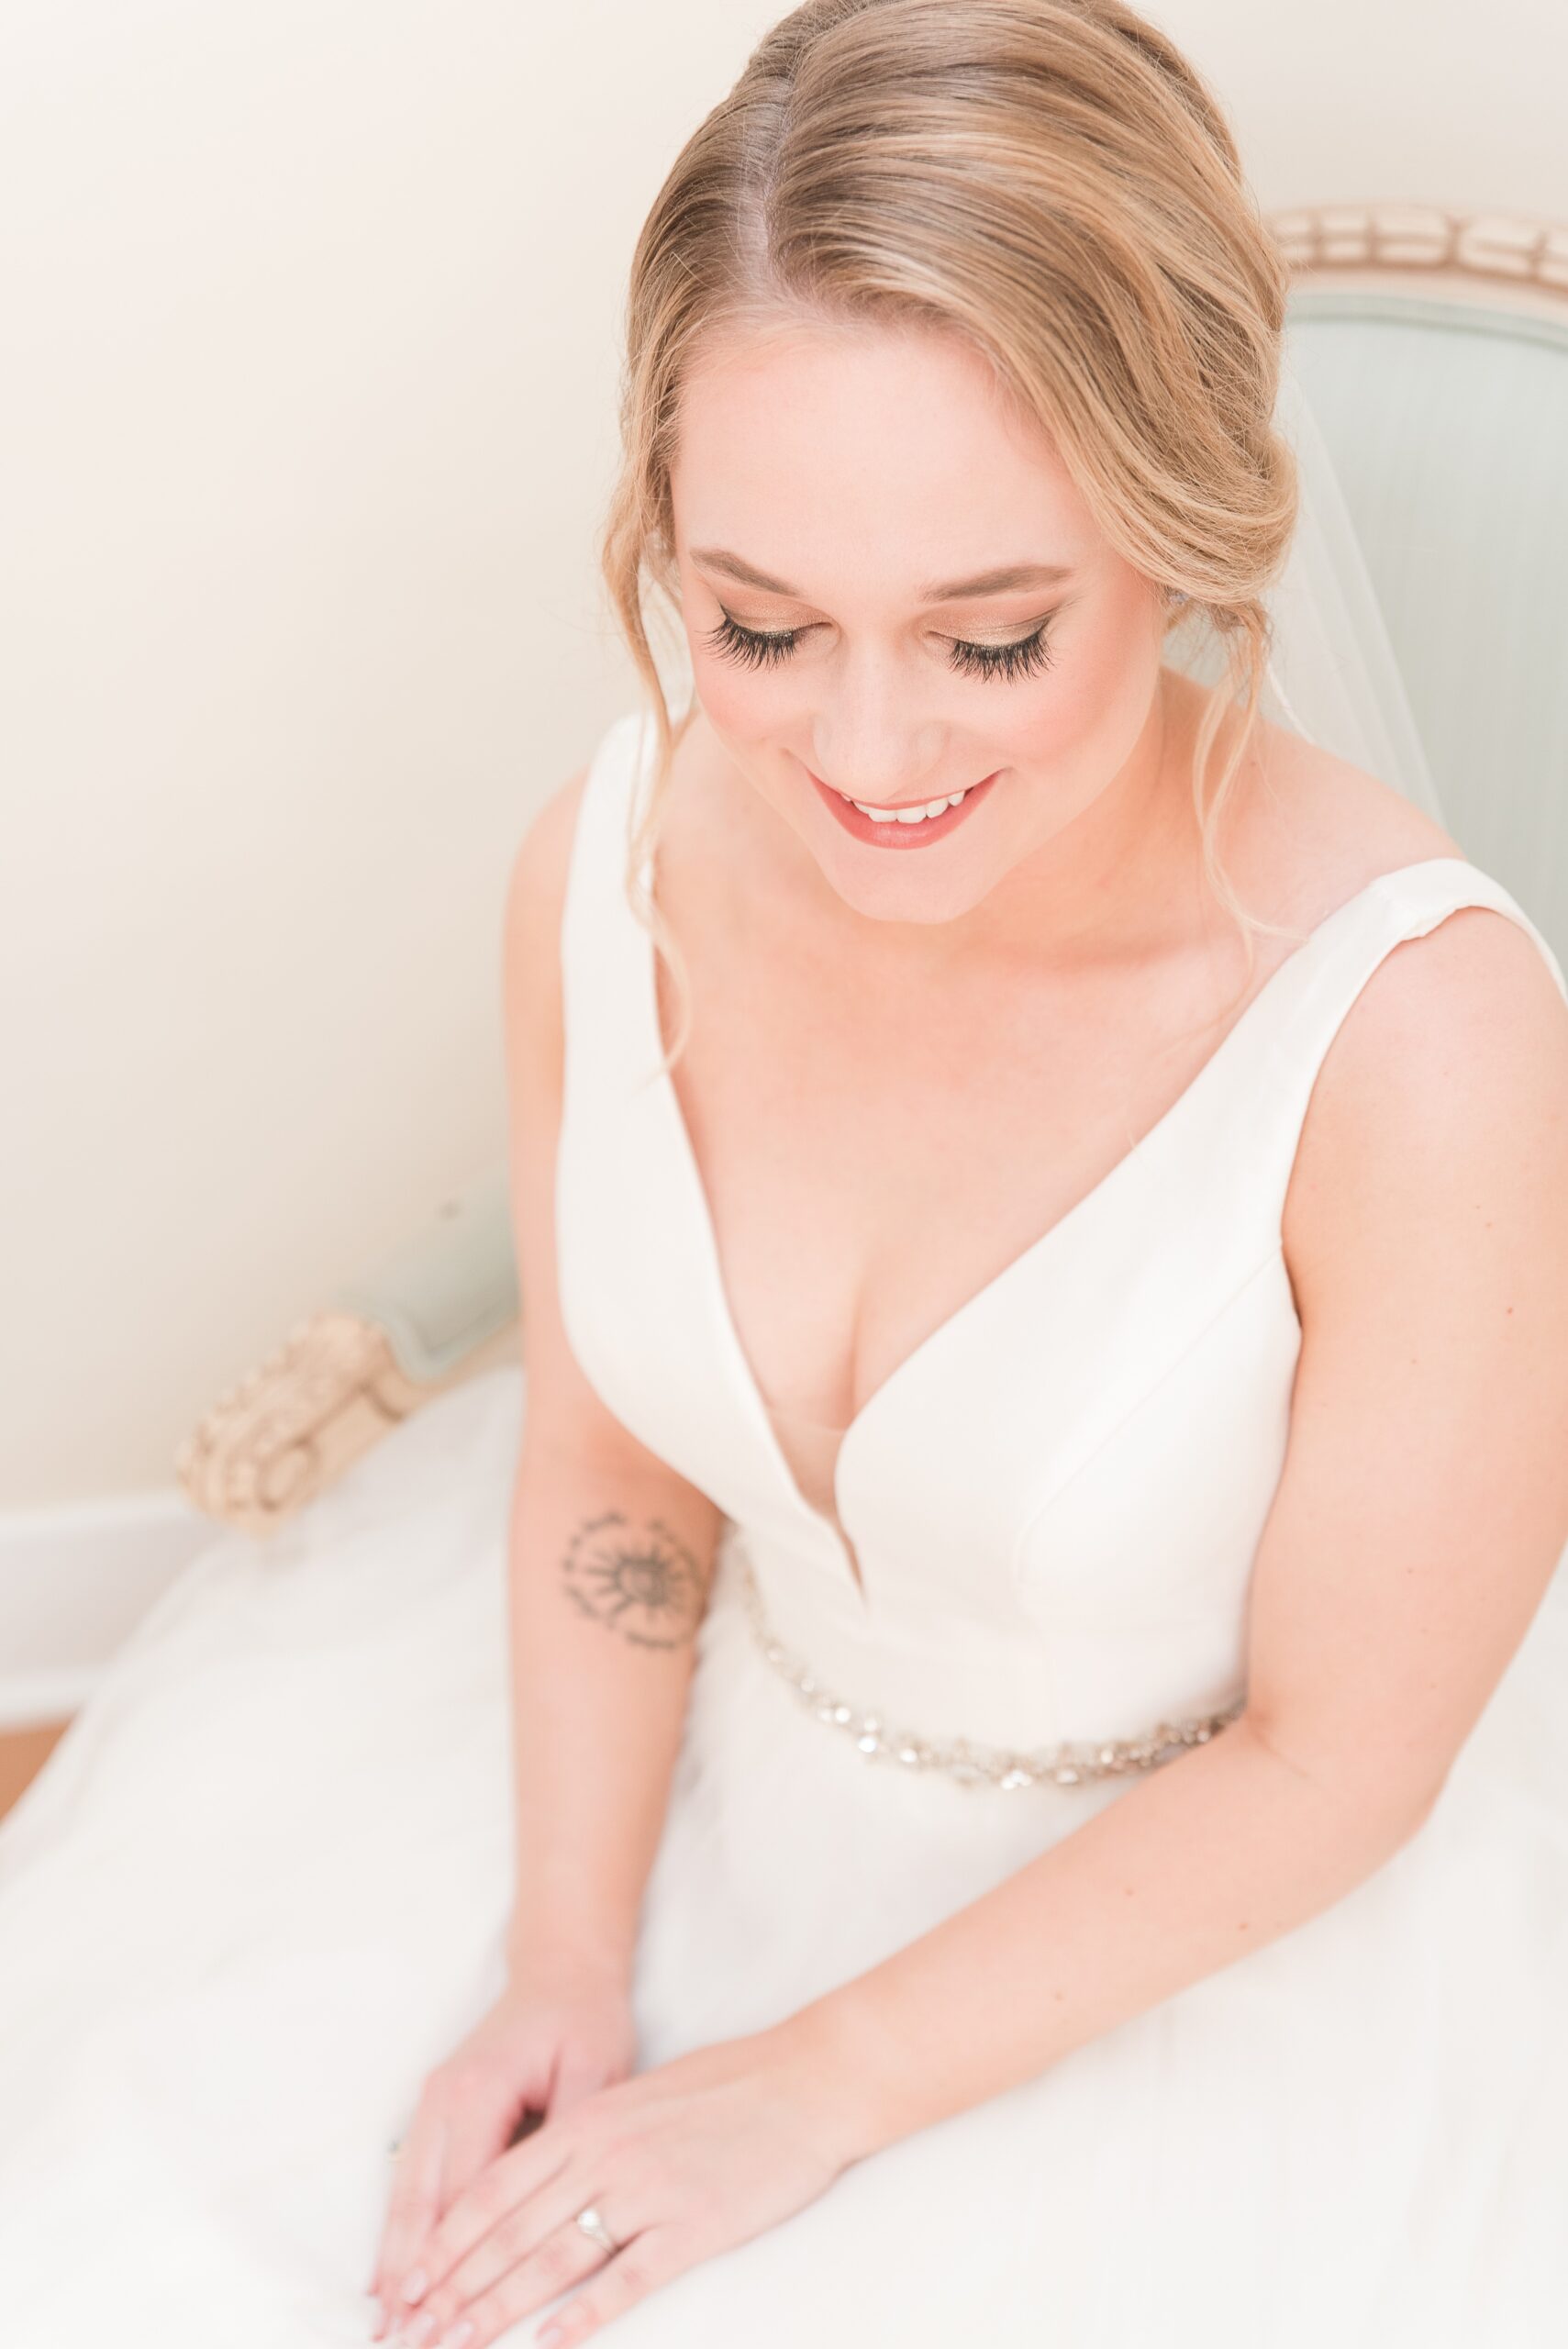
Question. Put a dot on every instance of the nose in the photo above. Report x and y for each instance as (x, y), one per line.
(867, 742)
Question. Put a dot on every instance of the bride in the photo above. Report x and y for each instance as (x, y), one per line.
(974, 1740)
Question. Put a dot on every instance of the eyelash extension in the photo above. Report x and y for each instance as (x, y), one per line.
(753, 649)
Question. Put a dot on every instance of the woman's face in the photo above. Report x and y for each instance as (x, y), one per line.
(839, 497)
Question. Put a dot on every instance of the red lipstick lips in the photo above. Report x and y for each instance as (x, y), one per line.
(930, 829)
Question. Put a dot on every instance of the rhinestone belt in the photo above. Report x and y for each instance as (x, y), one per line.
(961, 1758)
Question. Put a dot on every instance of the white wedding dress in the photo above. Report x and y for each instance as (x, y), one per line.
(261, 1887)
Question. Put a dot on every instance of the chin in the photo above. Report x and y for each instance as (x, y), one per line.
(895, 893)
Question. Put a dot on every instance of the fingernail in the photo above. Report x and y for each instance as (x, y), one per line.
(419, 2332)
(459, 2337)
(550, 2332)
(416, 2284)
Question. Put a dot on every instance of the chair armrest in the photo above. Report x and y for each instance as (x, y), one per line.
(439, 1309)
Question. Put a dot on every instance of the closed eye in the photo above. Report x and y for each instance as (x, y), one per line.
(763, 648)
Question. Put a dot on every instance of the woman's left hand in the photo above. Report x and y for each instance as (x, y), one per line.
(680, 2162)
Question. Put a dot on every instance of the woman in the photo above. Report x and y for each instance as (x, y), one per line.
(1045, 1284)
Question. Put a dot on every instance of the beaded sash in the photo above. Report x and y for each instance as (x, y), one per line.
(972, 1765)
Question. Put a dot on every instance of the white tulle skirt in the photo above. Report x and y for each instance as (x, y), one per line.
(262, 1887)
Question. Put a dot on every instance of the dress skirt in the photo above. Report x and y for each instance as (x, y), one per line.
(263, 1884)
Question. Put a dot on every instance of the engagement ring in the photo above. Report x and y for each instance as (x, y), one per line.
(591, 2224)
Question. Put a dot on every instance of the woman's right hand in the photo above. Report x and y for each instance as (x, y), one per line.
(561, 2029)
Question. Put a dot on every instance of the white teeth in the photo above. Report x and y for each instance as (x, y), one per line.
(910, 815)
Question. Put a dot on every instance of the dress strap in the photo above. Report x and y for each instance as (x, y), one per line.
(1324, 978)
(603, 944)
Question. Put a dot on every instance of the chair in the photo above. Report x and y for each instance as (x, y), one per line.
(1434, 350)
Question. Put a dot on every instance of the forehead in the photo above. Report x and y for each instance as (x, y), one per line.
(809, 449)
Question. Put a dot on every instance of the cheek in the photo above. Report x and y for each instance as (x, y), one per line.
(1097, 697)
(737, 696)
(727, 691)
(742, 704)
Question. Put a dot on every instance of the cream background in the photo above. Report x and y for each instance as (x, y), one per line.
(310, 322)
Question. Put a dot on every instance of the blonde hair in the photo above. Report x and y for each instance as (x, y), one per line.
(1050, 180)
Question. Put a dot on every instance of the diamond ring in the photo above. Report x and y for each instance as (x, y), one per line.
(591, 2224)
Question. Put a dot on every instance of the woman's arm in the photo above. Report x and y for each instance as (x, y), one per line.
(1422, 1507)
(598, 1688)
(599, 1679)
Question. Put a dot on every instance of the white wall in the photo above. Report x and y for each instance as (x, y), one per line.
(310, 319)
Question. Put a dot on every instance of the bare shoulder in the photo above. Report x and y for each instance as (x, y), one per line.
(1318, 828)
(1447, 1077)
(1439, 1113)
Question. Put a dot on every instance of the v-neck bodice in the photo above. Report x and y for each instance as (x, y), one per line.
(811, 1448)
(1053, 1502)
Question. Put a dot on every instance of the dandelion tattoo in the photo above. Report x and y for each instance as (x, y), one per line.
(642, 1582)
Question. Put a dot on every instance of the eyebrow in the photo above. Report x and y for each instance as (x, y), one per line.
(948, 591)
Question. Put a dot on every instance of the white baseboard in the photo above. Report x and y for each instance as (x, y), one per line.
(74, 1582)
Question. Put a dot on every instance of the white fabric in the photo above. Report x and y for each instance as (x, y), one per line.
(261, 1887)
